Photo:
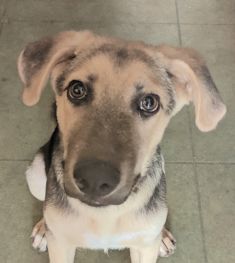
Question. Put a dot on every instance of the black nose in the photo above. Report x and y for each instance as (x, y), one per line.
(96, 178)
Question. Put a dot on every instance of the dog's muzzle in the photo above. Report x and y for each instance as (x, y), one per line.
(96, 179)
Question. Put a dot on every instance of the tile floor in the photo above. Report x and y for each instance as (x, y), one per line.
(200, 167)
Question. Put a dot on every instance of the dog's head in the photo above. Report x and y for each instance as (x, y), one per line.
(114, 100)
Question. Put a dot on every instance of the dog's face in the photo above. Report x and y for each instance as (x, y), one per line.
(114, 100)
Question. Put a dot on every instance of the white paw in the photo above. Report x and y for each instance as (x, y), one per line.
(39, 236)
(168, 244)
(36, 177)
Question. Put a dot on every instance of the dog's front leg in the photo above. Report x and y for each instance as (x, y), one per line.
(59, 250)
(146, 254)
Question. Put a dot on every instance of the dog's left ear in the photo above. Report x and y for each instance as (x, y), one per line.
(37, 60)
(193, 83)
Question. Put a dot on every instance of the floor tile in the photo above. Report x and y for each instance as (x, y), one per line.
(156, 11)
(176, 145)
(19, 212)
(218, 50)
(184, 218)
(91, 256)
(207, 11)
(217, 190)
(2, 8)
(156, 33)
(25, 129)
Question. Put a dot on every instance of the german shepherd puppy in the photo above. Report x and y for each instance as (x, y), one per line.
(101, 175)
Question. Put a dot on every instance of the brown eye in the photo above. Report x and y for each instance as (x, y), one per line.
(77, 90)
(149, 103)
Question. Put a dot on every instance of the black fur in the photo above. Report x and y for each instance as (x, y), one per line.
(158, 196)
(55, 194)
(48, 149)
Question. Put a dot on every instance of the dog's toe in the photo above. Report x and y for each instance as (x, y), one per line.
(168, 244)
(39, 238)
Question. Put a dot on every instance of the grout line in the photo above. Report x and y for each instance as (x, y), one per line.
(87, 22)
(202, 228)
(201, 162)
(81, 23)
(3, 16)
(207, 24)
(15, 160)
(167, 162)
(178, 23)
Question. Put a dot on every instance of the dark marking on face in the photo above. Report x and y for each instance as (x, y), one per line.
(35, 56)
(55, 195)
(92, 78)
(171, 104)
(51, 151)
(158, 196)
(159, 193)
(60, 83)
(120, 55)
(168, 85)
(139, 87)
(48, 149)
(169, 74)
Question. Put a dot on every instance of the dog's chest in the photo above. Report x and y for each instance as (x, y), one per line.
(103, 232)
(118, 238)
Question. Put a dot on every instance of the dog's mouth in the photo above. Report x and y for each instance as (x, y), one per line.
(117, 197)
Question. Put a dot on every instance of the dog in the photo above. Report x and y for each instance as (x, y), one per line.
(101, 175)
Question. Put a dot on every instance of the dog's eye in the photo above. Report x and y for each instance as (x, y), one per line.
(77, 90)
(149, 104)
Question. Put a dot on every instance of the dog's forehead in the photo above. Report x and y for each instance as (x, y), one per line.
(114, 61)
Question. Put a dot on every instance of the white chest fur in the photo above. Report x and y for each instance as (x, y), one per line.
(120, 240)
(106, 230)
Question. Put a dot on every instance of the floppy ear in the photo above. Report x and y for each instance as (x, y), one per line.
(38, 58)
(193, 82)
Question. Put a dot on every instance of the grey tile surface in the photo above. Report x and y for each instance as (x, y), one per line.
(184, 216)
(156, 11)
(217, 189)
(19, 211)
(207, 11)
(218, 50)
(2, 8)
(176, 145)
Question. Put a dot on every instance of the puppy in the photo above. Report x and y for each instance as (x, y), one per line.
(101, 175)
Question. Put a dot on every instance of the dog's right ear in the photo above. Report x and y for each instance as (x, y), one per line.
(38, 59)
